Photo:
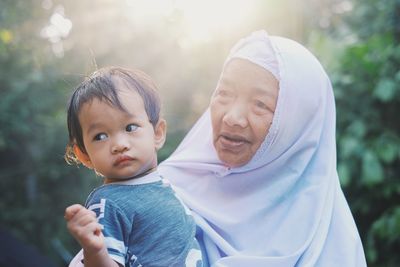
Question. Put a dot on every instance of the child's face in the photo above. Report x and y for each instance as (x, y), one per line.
(120, 144)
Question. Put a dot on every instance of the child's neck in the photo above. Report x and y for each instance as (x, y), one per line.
(112, 180)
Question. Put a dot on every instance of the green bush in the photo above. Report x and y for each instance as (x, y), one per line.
(367, 89)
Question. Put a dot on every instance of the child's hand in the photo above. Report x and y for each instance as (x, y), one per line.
(82, 224)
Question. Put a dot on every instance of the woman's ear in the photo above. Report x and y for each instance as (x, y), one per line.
(160, 132)
(83, 157)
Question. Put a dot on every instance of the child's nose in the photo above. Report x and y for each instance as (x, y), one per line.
(120, 145)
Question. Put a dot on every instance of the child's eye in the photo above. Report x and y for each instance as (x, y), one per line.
(131, 127)
(100, 136)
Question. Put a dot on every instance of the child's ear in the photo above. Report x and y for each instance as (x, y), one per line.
(160, 131)
(83, 157)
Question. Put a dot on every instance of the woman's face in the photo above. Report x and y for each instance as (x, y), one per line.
(242, 109)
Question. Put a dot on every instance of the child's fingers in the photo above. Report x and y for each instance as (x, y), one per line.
(90, 236)
(81, 223)
(95, 228)
(71, 211)
(83, 218)
(77, 211)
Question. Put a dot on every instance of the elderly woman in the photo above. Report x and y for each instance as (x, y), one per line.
(258, 170)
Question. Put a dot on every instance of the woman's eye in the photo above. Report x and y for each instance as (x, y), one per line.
(223, 93)
(131, 127)
(261, 108)
(100, 136)
(224, 96)
(261, 105)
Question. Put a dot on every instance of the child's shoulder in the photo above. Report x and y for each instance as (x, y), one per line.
(130, 195)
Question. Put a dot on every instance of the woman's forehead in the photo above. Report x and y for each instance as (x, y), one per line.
(240, 73)
(238, 65)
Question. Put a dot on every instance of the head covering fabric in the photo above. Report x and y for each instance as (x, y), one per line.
(285, 206)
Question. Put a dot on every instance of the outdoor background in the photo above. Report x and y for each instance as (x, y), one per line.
(47, 47)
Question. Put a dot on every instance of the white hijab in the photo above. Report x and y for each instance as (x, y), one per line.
(285, 207)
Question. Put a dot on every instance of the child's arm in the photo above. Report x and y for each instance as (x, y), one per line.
(83, 226)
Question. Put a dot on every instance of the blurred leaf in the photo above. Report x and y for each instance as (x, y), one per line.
(357, 128)
(344, 174)
(388, 148)
(5, 36)
(388, 226)
(397, 77)
(348, 146)
(372, 172)
(385, 90)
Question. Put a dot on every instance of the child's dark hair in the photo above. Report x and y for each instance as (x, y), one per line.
(102, 85)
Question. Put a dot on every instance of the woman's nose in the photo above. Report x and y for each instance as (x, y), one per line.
(236, 116)
(120, 145)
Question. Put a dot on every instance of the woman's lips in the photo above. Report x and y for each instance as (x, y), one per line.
(232, 142)
(122, 160)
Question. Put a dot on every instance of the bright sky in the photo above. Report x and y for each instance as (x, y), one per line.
(202, 19)
(198, 20)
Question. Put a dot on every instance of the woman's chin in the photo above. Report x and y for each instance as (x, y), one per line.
(232, 159)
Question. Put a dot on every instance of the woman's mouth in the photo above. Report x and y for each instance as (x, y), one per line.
(232, 142)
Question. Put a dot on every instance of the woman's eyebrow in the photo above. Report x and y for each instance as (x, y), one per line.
(227, 82)
(262, 91)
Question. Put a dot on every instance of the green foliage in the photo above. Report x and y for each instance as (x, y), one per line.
(33, 173)
(368, 103)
